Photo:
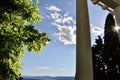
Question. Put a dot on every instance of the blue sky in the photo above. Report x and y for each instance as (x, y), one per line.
(59, 21)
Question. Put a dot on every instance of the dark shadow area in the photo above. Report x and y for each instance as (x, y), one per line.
(106, 53)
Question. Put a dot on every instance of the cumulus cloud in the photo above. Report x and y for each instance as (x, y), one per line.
(66, 34)
(65, 24)
(97, 30)
(55, 15)
(67, 19)
(53, 8)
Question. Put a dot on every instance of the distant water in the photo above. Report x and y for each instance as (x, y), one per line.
(48, 78)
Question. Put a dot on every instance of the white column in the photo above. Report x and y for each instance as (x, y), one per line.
(84, 70)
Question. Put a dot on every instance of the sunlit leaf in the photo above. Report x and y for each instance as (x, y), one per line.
(17, 32)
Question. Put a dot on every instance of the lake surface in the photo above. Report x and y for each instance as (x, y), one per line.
(47, 78)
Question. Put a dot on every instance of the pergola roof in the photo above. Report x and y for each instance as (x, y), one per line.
(111, 3)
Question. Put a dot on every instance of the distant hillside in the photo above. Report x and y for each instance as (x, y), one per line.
(48, 78)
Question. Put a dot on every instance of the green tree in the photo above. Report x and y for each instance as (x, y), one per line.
(106, 56)
(98, 63)
(16, 31)
(111, 49)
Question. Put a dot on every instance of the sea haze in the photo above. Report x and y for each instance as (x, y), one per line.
(48, 78)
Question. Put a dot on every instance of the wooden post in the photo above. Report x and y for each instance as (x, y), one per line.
(84, 70)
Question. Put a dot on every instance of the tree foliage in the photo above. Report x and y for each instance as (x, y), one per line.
(111, 49)
(107, 62)
(98, 61)
(16, 31)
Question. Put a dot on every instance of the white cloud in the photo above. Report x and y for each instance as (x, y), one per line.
(53, 8)
(65, 24)
(62, 69)
(47, 42)
(97, 31)
(56, 24)
(44, 68)
(55, 15)
(67, 19)
(59, 18)
(91, 25)
(66, 34)
(66, 14)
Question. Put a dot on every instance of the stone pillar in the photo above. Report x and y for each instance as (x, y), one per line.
(84, 70)
(117, 15)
